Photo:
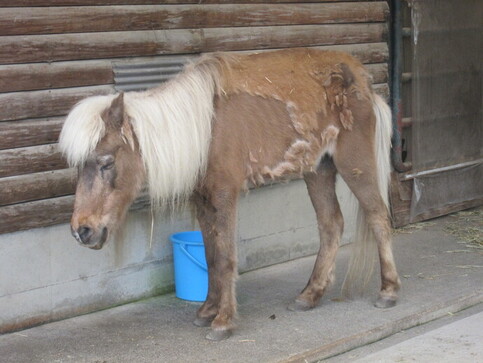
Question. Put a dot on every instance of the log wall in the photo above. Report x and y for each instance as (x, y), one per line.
(56, 52)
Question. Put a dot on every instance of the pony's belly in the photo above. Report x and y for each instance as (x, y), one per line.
(302, 156)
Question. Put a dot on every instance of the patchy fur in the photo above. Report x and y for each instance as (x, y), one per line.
(230, 120)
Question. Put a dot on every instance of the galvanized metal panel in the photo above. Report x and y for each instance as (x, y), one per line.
(143, 73)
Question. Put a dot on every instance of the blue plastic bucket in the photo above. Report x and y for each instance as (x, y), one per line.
(190, 270)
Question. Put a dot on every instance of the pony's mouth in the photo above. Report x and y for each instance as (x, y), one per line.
(90, 238)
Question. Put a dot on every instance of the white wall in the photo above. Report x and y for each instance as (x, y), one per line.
(45, 275)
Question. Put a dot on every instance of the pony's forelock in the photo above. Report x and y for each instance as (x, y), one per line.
(83, 129)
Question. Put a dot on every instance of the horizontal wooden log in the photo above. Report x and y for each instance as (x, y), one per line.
(36, 214)
(51, 3)
(47, 103)
(54, 75)
(38, 20)
(378, 72)
(15, 134)
(57, 47)
(382, 89)
(291, 36)
(31, 159)
(37, 76)
(46, 212)
(24, 188)
(366, 52)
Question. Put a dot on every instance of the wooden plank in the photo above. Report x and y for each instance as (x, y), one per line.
(36, 214)
(365, 52)
(25, 188)
(401, 192)
(291, 36)
(378, 72)
(15, 134)
(30, 159)
(46, 103)
(54, 75)
(448, 209)
(382, 89)
(47, 212)
(51, 3)
(25, 21)
(57, 47)
(36, 76)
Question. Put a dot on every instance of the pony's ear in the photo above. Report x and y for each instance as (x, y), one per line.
(114, 115)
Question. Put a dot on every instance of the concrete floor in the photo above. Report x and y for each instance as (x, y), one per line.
(441, 278)
(455, 338)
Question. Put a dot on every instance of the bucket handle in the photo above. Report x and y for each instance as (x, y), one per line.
(194, 260)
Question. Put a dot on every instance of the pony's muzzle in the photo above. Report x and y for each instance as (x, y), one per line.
(87, 236)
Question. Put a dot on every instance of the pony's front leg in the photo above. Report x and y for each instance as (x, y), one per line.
(216, 212)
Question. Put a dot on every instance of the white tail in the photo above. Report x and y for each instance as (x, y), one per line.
(364, 248)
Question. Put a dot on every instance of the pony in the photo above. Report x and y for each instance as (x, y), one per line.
(229, 122)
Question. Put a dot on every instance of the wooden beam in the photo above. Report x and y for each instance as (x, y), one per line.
(54, 20)
(22, 133)
(401, 192)
(51, 3)
(25, 188)
(365, 52)
(378, 72)
(31, 159)
(57, 47)
(36, 214)
(37, 76)
(47, 212)
(291, 36)
(46, 103)
(382, 89)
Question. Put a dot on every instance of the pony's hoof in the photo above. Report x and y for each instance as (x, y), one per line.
(385, 303)
(202, 322)
(218, 334)
(299, 305)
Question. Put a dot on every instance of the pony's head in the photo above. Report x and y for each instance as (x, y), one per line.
(162, 136)
(98, 139)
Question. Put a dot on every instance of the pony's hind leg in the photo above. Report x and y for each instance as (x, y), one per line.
(358, 169)
(216, 213)
(321, 188)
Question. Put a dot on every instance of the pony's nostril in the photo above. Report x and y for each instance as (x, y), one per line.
(84, 233)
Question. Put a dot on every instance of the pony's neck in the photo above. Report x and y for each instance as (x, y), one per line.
(173, 126)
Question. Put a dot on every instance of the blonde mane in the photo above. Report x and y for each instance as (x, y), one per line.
(172, 124)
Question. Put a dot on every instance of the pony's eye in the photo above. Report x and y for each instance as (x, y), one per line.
(107, 166)
(105, 162)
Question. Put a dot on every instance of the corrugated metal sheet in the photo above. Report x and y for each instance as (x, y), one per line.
(144, 73)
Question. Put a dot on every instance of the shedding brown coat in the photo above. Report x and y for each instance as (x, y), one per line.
(300, 111)
(306, 103)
